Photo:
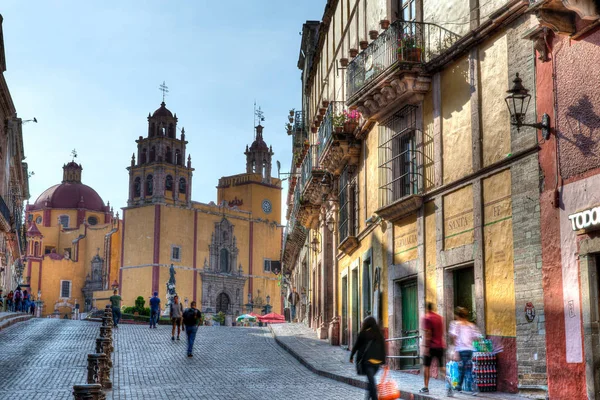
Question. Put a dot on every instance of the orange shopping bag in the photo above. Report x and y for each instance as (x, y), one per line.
(387, 389)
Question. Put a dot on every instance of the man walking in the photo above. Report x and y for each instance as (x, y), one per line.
(433, 344)
(154, 310)
(176, 313)
(18, 297)
(191, 320)
(293, 298)
(115, 302)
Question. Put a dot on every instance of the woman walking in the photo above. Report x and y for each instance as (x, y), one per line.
(370, 351)
(462, 333)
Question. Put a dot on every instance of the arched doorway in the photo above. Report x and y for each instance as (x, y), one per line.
(223, 302)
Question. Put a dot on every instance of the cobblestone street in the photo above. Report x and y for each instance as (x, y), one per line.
(43, 358)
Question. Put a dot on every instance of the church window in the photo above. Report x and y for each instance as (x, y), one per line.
(177, 157)
(224, 260)
(171, 131)
(152, 154)
(65, 289)
(64, 221)
(267, 265)
(36, 249)
(151, 130)
(149, 185)
(137, 187)
(182, 186)
(92, 220)
(143, 157)
(169, 156)
(175, 253)
(38, 220)
(169, 182)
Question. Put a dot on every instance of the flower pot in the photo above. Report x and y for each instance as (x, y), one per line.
(322, 111)
(344, 62)
(409, 54)
(384, 23)
(350, 126)
(373, 35)
(339, 129)
(313, 129)
(320, 118)
(291, 113)
(353, 53)
(325, 104)
(363, 44)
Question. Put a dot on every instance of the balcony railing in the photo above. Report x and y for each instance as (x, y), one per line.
(403, 43)
(326, 129)
(4, 210)
(310, 162)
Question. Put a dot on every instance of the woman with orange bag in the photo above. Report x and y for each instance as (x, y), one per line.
(370, 350)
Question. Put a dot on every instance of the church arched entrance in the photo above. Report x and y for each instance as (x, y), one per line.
(223, 302)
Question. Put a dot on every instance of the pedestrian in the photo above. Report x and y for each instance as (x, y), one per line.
(462, 333)
(293, 298)
(18, 297)
(176, 313)
(154, 310)
(433, 344)
(32, 306)
(115, 302)
(370, 351)
(191, 319)
(10, 301)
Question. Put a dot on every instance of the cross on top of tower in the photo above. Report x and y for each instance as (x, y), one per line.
(164, 89)
(73, 154)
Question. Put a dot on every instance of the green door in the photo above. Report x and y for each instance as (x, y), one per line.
(410, 324)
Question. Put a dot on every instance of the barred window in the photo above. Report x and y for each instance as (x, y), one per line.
(65, 289)
(175, 253)
(267, 265)
(348, 198)
(398, 157)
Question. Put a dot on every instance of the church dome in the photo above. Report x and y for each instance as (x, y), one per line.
(259, 144)
(163, 111)
(71, 193)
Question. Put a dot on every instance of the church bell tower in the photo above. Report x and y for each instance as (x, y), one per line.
(160, 173)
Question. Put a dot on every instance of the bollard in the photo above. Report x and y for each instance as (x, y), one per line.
(98, 370)
(104, 345)
(106, 332)
(88, 392)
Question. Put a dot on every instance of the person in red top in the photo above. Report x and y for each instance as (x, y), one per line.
(433, 344)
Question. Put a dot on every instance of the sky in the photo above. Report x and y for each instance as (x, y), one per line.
(90, 73)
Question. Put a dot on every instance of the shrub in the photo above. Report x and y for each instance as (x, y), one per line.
(139, 302)
(220, 318)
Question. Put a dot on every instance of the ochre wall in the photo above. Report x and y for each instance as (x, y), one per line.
(458, 218)
(430, 254)
(498, 253)
(405, 239)
(456, 121)
(428, 144)
(495, 119)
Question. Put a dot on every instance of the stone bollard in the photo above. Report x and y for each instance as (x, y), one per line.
(88, 392)
(104, 345)
(98, 370)
(106, 332)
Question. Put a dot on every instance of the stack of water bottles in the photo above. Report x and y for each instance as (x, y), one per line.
(484, 366)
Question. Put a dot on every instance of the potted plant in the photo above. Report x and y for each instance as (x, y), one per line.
(338, 122)
(384, 23)
(353, 53)
(363, 44)
(408, 48)
(344, 62)
(351, 121)
(373, 34)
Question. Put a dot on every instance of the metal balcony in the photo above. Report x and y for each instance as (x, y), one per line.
(5, 222)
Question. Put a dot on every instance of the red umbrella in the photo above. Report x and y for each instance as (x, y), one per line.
(272, 318)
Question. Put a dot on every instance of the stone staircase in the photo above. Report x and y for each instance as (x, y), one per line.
(9, 318)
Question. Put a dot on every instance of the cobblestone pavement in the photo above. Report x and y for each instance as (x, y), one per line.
(42, 359)
(332, 361)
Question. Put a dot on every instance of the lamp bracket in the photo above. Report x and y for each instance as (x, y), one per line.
(544, 125)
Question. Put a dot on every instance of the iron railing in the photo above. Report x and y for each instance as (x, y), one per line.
(300, 134)
(310, 163)
(4, 210)
(334, 109)
(402, 43)
(410, 346)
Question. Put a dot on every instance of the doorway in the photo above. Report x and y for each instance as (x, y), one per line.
(223, 303)
(345, 310)
(410, 324)
(355, 318)
(464, 291)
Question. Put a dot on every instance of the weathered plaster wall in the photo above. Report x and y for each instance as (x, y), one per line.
(452, 15)
(458, 218)
(405, 239)
(430, 254)
(428, 144)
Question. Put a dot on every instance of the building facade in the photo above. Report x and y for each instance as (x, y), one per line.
(14, 187)
(414, 186)
(566, 40)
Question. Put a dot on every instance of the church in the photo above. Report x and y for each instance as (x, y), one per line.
(225, 255)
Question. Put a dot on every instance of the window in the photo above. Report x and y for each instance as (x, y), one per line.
(64, 221)
(149, 185)
(152, 154)
(398, 157)
(169, 183)
(175, 253)
(30, 217)
(182, 186)
(38, 220)
(169, 155)
(92, 220)
(178, 157)
(65, 289)
(408, 10)
(267, 265)
(143, 157)
(137, 187)
(224, 262)
(348, 198)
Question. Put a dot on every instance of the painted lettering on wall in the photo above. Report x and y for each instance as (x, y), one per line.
(585, 219)
(407, 240)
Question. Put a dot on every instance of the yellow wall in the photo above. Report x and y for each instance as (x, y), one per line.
(499, 268)
(458, 218)
(428, 145)
(430, 254)
(495, 129)
(456, 121)
(405, 239)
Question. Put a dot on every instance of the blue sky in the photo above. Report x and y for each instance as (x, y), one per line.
(90, 72)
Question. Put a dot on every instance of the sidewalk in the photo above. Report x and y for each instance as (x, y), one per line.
(332, 362)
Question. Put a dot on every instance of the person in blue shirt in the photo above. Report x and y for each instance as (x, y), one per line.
(154, 310)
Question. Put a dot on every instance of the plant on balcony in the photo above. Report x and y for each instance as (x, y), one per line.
(408, 48)
(346, 121)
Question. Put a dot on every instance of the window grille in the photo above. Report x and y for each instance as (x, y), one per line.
(267, 266)
(65, 289)
(348, 198)
(176, 253)
(399, 159)
(64, 221)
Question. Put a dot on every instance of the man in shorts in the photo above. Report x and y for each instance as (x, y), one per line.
(433, 343)
(176, 313)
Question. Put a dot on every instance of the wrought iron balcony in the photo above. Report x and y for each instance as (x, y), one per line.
(336, 142)
(404, 48)
(5, 213)
(295, 234)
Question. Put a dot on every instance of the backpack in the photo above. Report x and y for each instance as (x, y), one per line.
(189, 316)
(17, 295)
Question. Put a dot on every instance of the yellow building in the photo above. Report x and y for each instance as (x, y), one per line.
(225, 254)
(73, 245)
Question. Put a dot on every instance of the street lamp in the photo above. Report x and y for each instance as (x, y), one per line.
(517, 102)
(268, 306)
(315, 243)
(249, 305)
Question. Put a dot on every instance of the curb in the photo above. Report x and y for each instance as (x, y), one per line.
(11, 321)
(350, 381)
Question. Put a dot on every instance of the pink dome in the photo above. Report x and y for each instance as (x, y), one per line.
(70, 195)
